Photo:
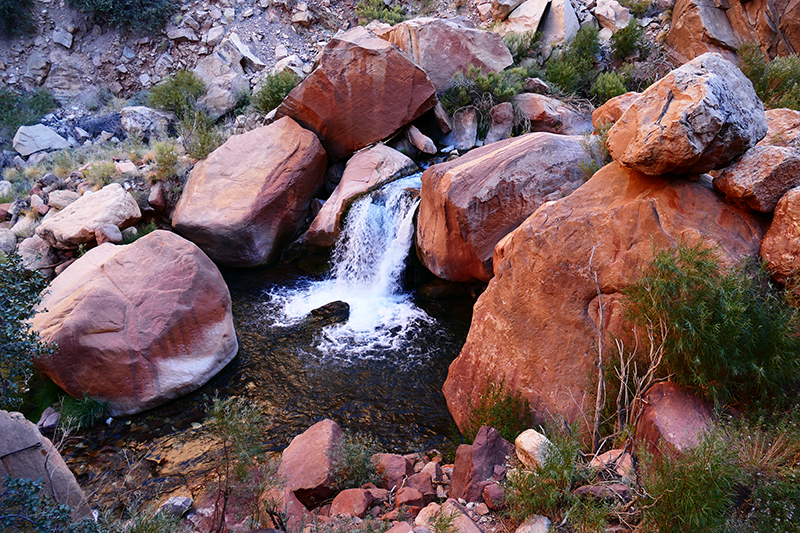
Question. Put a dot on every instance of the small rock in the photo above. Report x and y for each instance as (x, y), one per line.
(108, 233)
(49, 420)
(531, 447)
(409, 497)
(535, 524)
(177, 506)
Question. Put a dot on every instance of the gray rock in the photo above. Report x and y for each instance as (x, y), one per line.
(6, 188)
(49, 420)
(37, 255)
(8, 241)
(145, 122)
(31, 139)
(61, 199)
(177, 506)
(63, 37)
(465, 129)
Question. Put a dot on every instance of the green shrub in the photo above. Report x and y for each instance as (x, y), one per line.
(16, 18)
(26, 507)
(689, 491)
(100, 173)
(138, 15)
(521, 44)
(507, 412)
(637, 7)
(20, 291)
(200, 135)
(369, 10)
(777, 83)
(166, 160)
(729, 333)
(82, 413)
(272, 90)
(629, 41)
(351, 462)
(572, 69)
(179, 93)
(596, 145)
(443, 522)
(607, 86)
(23, 109)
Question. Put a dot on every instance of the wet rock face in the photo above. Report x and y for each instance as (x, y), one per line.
(137, 325)
(698, 117)
(363, 90)
(532, 326)
(250, 196)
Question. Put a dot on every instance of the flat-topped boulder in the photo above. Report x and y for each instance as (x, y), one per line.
(535, 326)
(137, 325)
(469, 204)
(251, 195)
(77, 222)
(365, 171)
(37, 138)
(445, 47)
(363, 90)
(699, 117)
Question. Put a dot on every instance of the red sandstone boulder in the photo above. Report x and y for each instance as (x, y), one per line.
(252, 194)
(76, 223)
(409, 497)
(445, 47)
(475, 465)
(783, 128)
(532, 327)
(550, 114)
(761, 177)
(363, 90)
(366, 171)
(470, 203)
(672, 418)
(394, 469)
(137, 325)
(780, 249)
(698, 117)
(306, 463)
(610, 112)
(423, 483)
(351, 502)
(700, 26)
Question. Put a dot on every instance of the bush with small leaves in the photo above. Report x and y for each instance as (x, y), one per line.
(572, 69)
(20, 291)
(21, 109)
(629, 41)
(138, 15)
(16, 18)
(272, 90)
(506, 411)
(369, 10)
(777, 83)
(179, 93)
(521, 44)
(351, 462)
(200, 135)
(607, 86)
(26, 507)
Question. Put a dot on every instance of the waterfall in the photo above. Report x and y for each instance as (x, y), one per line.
(366, 266)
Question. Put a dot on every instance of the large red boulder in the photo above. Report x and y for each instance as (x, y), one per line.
(469, 204)
(252, 194)
(535, 326)
(780, 249)
(783, 128)
(445, 47)
(699, 117)
(673, 418)
(363, 90)
(137, 325)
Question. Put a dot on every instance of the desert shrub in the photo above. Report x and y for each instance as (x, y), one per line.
(572, 69)
(138, 15)
(777, 83)
(689, 491)
(16, 18)
(82, 412)
(272, 90)
(179, 93)
(369, 10)
(607, 86)
(637, 7)
(351, 462)
(141, 231)
(521, 44)
(20, 291)
(506, 411)
(26, 507)
(596, 145)
(629, 41)
(729, 333)
(443, 522)
(200, 135)
(166, 160)
(23, 109)
(100, 173)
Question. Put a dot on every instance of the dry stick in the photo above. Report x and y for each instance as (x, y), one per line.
(601, 382)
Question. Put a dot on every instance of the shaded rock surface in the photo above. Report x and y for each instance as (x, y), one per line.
(544, 344)
(672, 418)
(252, 194)
(133, 338)
(475, 465)
(470, 203)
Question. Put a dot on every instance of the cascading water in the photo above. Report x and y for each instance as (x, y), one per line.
(367, 263)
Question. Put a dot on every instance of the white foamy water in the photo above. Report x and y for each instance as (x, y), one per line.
(367, 263)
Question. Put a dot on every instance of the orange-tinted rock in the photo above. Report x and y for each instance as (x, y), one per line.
(365, 171)
(351, 502)
(612, 110)
(783, 128)
(423, 483)
(409, 497)
(550, 114)
(495, 496)
(773, 24)
(394, 469)
(306, 463)
(700, 26)
(532, 327)
(780, 249)
(672, 418)
(472, 202)
(698, 117)
(137, 325)
(363, 90)
(445, 47)
(252, 194)
(761, 177)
